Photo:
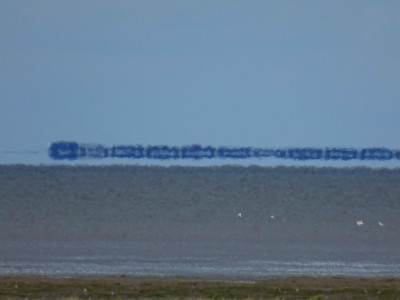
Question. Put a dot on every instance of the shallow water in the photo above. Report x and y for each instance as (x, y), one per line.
(69, 220)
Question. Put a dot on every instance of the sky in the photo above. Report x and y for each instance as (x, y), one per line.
(221, 73)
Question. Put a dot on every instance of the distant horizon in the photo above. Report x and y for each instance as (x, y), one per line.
(196, 155)
(71, 150)
(216, 166)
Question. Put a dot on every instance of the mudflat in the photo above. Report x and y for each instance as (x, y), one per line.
(127, 287)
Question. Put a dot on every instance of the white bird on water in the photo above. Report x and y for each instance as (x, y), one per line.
(360, 223)
(239, 215)
(380, 224)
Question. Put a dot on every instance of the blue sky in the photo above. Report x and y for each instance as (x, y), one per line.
(231, 73)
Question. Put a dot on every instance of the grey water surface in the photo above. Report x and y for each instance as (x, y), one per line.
(224, 221)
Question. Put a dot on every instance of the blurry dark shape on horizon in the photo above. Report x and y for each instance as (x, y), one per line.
(234, 152)
(128, 151)
(197, 152)
(162, 152)
(70, 150)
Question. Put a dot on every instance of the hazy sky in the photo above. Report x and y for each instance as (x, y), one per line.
(232, 73)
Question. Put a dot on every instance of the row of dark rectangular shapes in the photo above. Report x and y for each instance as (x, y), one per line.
(67, 150)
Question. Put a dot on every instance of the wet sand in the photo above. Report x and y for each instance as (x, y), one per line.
(126, 287)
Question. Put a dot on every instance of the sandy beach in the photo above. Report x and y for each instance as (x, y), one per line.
(126, 287)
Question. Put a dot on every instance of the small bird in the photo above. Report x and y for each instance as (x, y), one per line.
(360, 223)
(272, 217)
(380, 224)
(239, 215)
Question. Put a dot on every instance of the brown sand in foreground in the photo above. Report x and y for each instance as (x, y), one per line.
(126, 287)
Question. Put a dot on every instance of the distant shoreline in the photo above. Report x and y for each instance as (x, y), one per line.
(127, 287)
(278, 167)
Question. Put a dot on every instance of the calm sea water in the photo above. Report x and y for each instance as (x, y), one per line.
(226, 221)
